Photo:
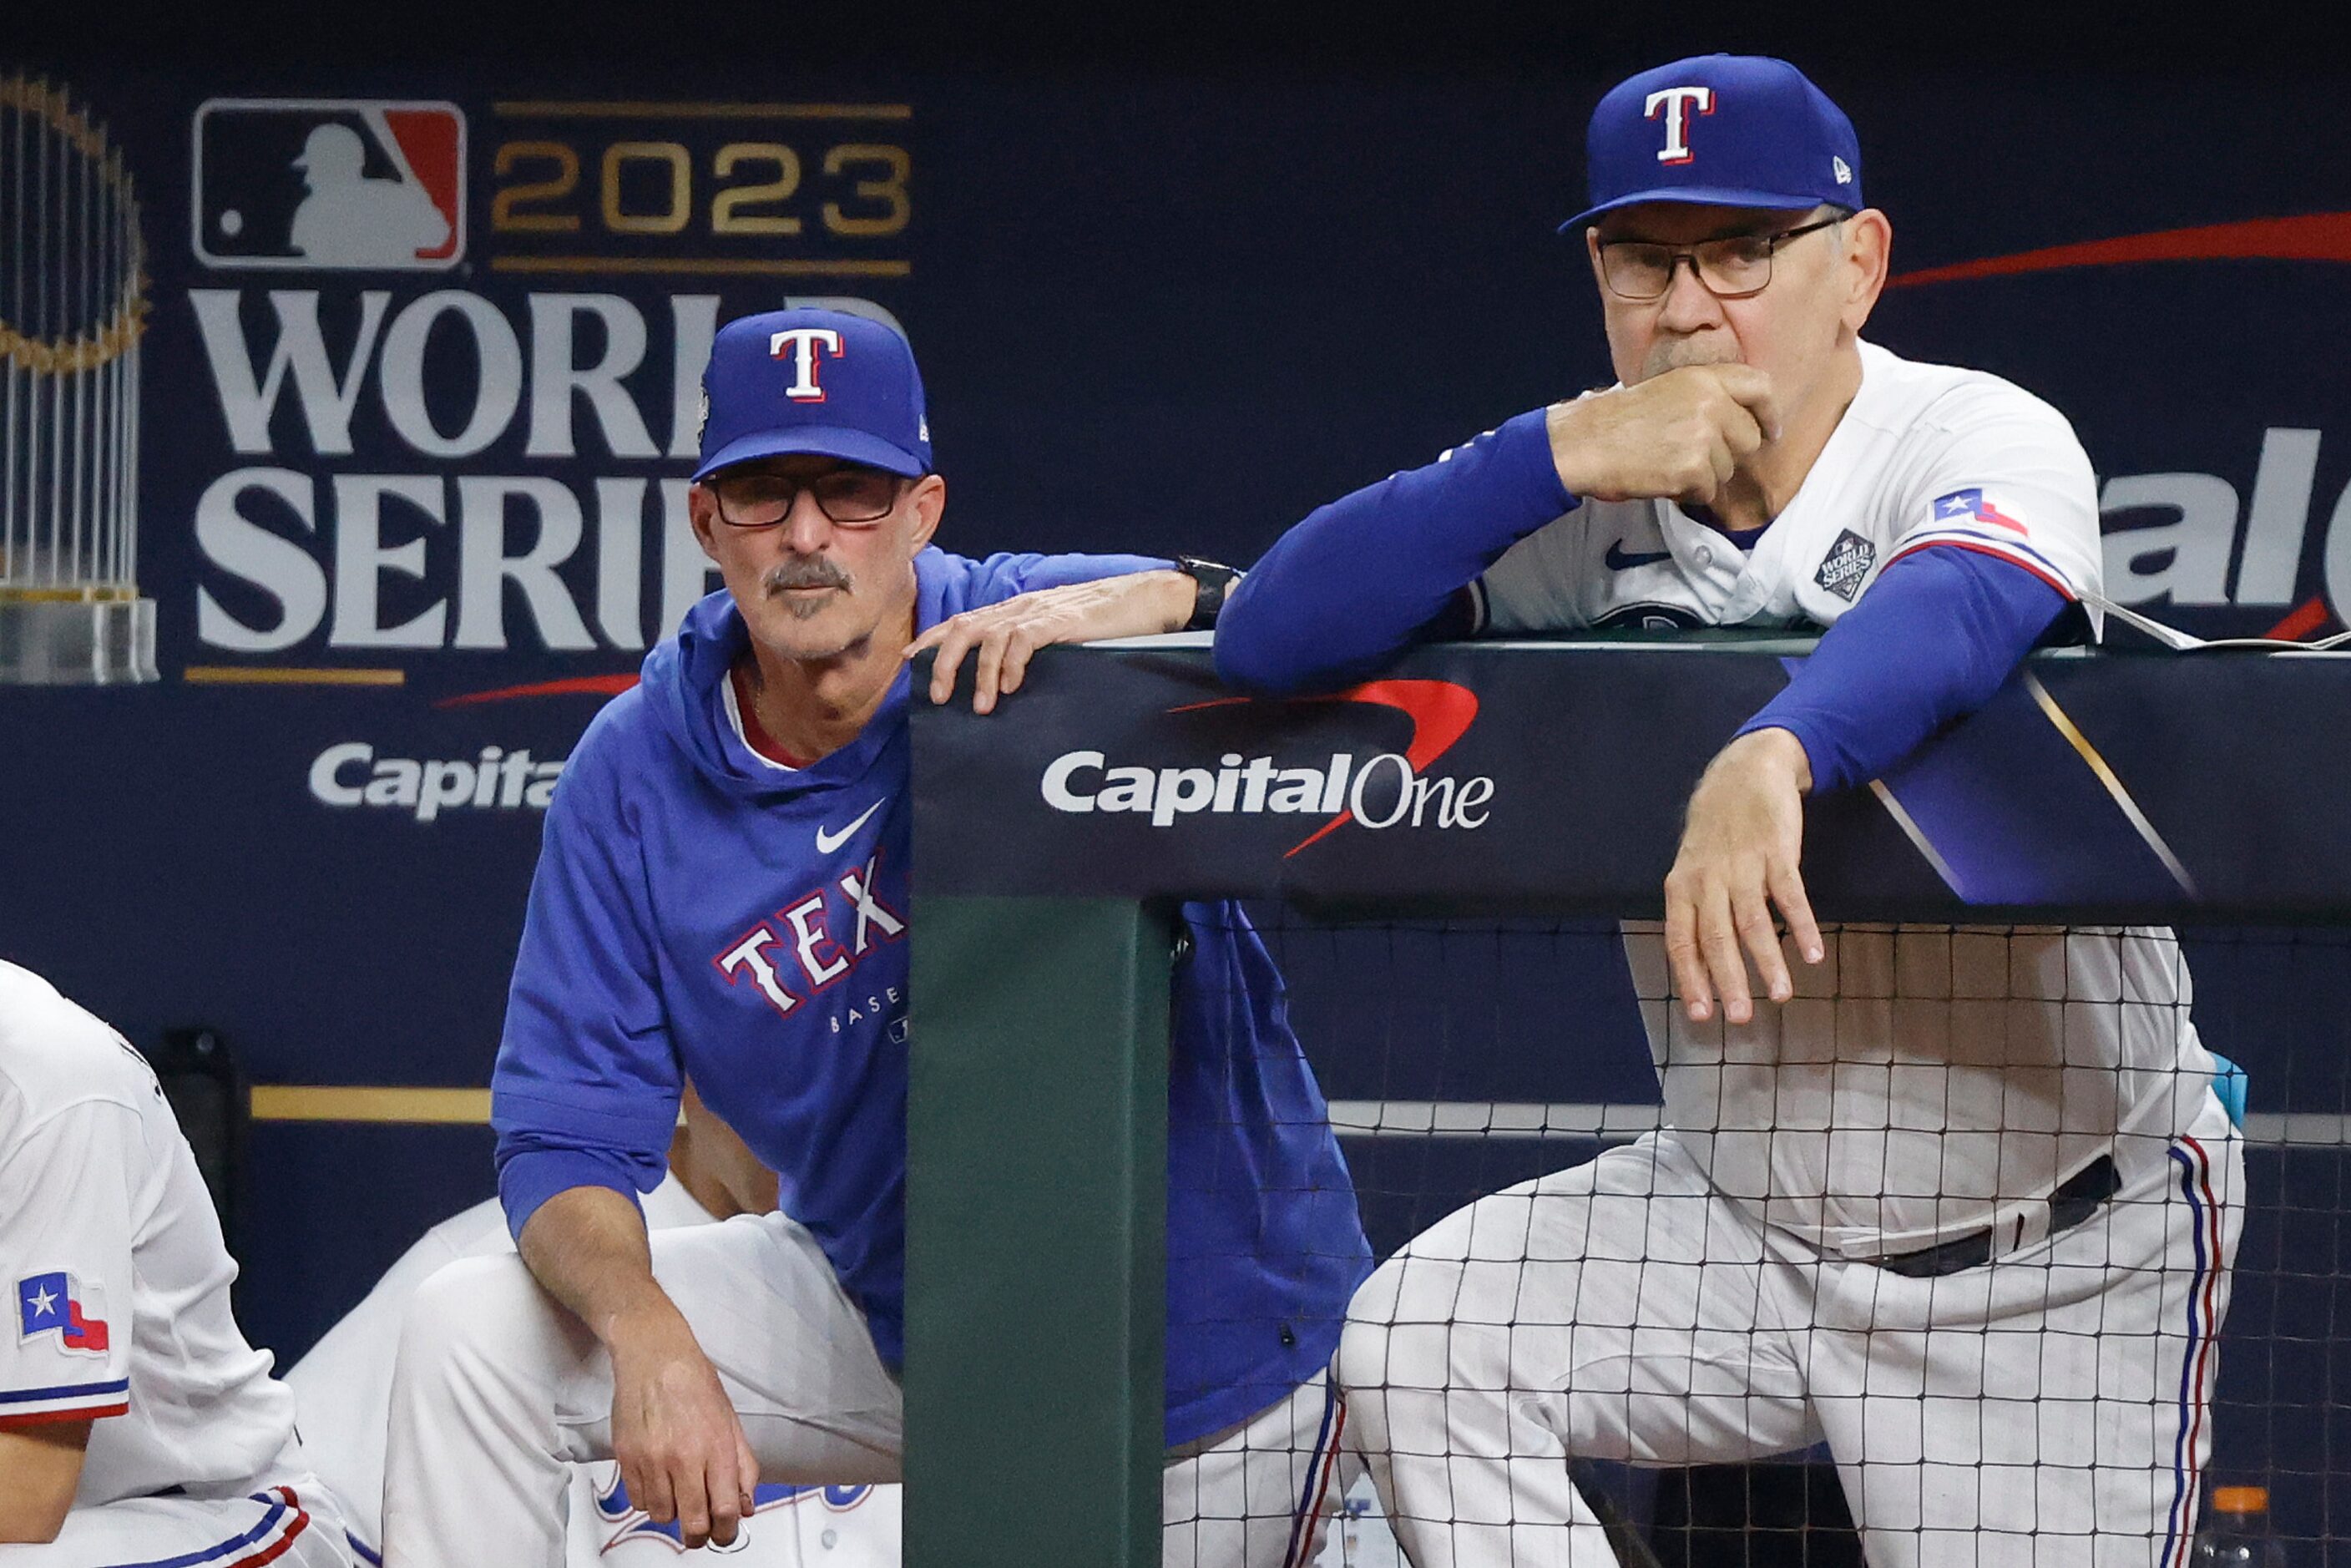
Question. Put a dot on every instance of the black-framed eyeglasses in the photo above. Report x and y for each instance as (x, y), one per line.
(761, 500)
(1732, 267)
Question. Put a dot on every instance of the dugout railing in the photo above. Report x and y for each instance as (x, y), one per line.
(1475, 781)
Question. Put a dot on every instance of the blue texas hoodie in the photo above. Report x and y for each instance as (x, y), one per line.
(699, 911)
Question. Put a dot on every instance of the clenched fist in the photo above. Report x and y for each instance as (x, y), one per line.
(1678, 437)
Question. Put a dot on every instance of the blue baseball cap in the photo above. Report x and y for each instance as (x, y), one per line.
(821, 382)
(1731, 131)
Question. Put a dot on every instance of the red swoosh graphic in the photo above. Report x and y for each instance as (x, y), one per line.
(2318, 236)
(599, 685)
(1440, 712)
(2301, 619)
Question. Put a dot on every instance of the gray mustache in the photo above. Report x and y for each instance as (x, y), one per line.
(807, 571)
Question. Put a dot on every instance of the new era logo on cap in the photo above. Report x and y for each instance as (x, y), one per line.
(329, 183)
(1733, 131)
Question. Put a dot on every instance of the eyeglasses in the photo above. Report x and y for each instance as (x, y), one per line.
(851, 495)
(1730, 268)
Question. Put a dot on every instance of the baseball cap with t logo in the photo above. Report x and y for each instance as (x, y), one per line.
(813, 380)
(1730, 131)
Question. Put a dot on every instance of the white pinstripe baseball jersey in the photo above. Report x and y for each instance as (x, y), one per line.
(1923, 1082)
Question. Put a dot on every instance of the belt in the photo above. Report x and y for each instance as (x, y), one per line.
(2079, 1197)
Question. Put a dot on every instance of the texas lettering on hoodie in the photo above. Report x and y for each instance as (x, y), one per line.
(699, 910)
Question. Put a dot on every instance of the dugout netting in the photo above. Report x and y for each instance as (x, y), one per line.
(1964, 1075)
(1463, 1058)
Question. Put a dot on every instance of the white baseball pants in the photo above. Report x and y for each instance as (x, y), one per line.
(297, 1524)
(2050, 1409)
(499, 1390)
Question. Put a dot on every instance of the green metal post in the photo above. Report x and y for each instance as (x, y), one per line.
(1036, 1233)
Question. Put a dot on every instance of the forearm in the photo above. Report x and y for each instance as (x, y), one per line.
(587, 1246)
(1132, 604)
(40, 1469)
(952, 585)
(1930, 642)
(1360, 580)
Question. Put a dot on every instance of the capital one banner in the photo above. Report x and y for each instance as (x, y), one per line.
(1522, 777)
(420, 362)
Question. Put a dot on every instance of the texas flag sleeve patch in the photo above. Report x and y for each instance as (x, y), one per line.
(1973, 519)
(50, 1304)
(58, 1310)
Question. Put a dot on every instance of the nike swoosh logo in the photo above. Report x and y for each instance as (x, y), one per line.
(1619, 561)
(827, 842)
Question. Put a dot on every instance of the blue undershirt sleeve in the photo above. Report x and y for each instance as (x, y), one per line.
(1362, 578)
(1928, 643)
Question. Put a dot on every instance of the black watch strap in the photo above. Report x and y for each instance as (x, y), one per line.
(1215, 580)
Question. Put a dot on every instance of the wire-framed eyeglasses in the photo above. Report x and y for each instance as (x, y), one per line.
(848, 495)
(1732, 267)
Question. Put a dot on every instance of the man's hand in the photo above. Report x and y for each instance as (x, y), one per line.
(1678, 437)
(1004, 636)
(681, 1449)
(1739, 857)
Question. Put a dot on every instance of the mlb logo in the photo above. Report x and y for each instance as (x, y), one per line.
(329, 183)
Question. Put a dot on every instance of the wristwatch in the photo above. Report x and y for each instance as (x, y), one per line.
(1215, 581)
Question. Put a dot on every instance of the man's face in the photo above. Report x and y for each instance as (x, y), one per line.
(811, 586)
(1821, 283)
